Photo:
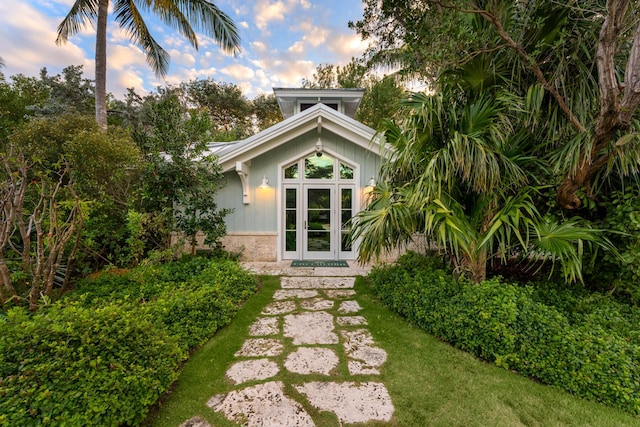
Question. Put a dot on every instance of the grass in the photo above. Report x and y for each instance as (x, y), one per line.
(204, 374)
(430, 382)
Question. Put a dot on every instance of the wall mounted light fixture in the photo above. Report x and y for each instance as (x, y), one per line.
(265, 183)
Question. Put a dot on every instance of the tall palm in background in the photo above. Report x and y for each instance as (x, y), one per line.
(186, 16)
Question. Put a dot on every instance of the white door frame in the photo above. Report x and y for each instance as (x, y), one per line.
(301, 185)
(307, 230)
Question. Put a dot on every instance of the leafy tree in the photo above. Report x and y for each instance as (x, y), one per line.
(229, 110)
(66, 93)
(186, 16)
(41, 214)
(24, 97)
(323, 78)
(55, 173)
(15, 98)
(180, 180)
(380, 101)
(578, 62)
(266, 111)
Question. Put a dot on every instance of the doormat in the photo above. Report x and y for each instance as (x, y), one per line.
(307, 263)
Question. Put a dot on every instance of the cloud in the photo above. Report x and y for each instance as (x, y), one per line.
(126, 79)
(28, 43)
(297, 48)
(258, 46)
(317, 36)
(347, 46)
(267, 12)
(238, 72)
(121, 57)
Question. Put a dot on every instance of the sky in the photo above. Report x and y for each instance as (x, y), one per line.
(282, 42)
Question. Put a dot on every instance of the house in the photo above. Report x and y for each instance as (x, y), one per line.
(294, 186)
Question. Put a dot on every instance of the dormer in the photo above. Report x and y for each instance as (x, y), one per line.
(293, 101)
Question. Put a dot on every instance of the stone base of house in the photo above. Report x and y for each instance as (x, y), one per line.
(255, 246)
(250, 246)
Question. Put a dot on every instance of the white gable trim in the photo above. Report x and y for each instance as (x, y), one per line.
(315, 117)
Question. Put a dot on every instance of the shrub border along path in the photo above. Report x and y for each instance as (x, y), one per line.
(430, 382)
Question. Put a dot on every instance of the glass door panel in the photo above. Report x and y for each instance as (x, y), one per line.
(346, 212)
(318, 241)
(291, 220)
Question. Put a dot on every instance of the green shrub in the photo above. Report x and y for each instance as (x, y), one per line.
(107, 351)
(621, 220)
(76, 366)
(589, 344)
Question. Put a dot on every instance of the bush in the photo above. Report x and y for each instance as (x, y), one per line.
(585, 343)
(77, 366)
(110, 349)
(621, 220)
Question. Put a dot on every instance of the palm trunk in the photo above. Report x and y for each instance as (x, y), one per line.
(101, 64)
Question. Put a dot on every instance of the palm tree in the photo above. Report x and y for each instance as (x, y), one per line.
(186, 16)
(457, 171)
(584, 59)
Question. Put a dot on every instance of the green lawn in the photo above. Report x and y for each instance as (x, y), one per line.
(430, 382)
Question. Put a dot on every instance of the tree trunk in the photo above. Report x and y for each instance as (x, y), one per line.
(477, 268)
(616, 107)
(101, 64)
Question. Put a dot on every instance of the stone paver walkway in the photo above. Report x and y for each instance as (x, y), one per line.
(312, 329)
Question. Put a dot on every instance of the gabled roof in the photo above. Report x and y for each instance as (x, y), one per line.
(318, 117)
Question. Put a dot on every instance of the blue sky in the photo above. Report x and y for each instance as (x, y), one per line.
(282, 42)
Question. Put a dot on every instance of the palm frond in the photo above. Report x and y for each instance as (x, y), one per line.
(625, 159)
(81, 12)
(130, 19)
(387, 223)
(564, 244)
(206, 17)
(171, 15)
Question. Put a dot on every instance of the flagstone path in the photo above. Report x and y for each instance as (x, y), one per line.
(312, 329)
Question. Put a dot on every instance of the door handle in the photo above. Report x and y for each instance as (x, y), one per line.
(305, 224)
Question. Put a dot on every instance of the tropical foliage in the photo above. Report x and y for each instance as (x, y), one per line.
(459, 173)
(578, 61)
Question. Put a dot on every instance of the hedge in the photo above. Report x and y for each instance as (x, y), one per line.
(590, 347)
(109, 350)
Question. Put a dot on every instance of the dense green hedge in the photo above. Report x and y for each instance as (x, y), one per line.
(587, 344)
(110, 349)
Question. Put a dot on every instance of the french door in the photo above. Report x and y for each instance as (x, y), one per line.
(319, 225)
(316, 220)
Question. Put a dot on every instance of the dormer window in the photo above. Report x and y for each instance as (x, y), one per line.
(307, 105)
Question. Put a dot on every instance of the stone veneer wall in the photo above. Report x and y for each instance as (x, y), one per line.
(251, 246)
(263, 246)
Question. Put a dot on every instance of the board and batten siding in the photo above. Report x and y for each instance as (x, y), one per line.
(260, 215)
